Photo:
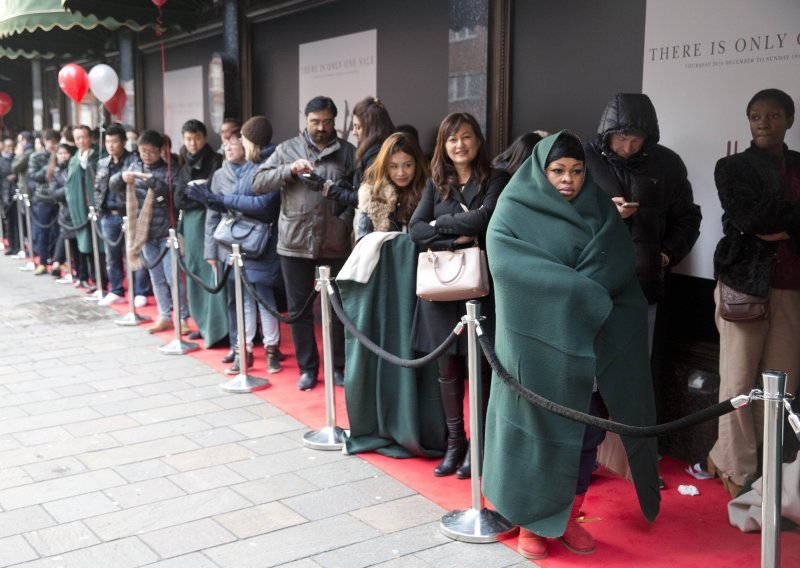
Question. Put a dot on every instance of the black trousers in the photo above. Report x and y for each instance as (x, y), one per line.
(299, 276)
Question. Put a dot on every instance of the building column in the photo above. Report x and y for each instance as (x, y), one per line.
(126, 76)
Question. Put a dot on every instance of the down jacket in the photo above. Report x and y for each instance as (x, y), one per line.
(102, 179)
(160, 222)
(667, 219)
(310, 225)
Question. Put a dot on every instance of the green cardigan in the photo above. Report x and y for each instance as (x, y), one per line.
(568, 309)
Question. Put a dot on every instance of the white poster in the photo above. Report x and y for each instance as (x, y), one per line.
(342, 68)
(703, 61)
(185, 97)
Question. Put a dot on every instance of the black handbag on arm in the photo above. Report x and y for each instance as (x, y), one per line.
(251, 235)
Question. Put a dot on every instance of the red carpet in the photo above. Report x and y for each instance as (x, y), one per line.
(690, 531)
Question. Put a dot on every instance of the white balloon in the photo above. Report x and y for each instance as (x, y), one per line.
(103, 82)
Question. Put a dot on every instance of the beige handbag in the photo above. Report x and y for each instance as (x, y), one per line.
(447, 276)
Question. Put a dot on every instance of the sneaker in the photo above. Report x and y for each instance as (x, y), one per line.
(41, 269)
(235, 369)
(273, 360)
(139, 301)
(230, 356)
(110, 299)
(184, 327)
(55, 272)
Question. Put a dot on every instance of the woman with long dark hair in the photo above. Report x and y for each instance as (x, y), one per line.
(454, 211)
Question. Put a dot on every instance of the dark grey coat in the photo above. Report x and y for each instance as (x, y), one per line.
(433, 321)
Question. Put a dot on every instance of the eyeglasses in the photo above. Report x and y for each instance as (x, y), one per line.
(231, 143)
(149, 151)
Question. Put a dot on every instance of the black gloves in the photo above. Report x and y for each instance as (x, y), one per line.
(201, 193)
(312, 180)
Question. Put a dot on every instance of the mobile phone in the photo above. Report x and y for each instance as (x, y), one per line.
(630, 204)
(311, 176)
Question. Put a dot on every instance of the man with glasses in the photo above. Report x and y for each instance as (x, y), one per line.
(313, 230)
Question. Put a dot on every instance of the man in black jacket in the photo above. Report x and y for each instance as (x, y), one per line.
(649, 185)
(112, 208)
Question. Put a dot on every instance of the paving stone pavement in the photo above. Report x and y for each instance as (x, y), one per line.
(114, 456)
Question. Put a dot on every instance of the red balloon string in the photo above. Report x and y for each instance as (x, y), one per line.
(160, 34)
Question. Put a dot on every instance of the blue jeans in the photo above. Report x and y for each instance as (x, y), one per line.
(44, 238)
(161, 276)
(111, 226)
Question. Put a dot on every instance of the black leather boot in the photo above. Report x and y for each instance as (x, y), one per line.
(453, 403)
(464, 471)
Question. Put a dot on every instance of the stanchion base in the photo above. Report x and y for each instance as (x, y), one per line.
(243, 383)
(178, 347)
(29, 267)
(327, 438)
(132, 318)
(2, 246)
(479, 527)
(21, 255)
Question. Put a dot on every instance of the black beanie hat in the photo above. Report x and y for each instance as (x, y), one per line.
(258, 130)
(567, 145)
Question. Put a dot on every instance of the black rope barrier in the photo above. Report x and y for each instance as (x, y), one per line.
(336, 303)
(109, 242)
(44, 225)
(710, 413)
(74, 227)
(210, 289)
(275, 313)
(156, 261)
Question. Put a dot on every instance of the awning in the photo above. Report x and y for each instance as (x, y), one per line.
(42, 28)
(177, 14)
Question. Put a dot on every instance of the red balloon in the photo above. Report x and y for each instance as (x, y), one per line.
(74, 81)
(117, 102)
(159, 3)
(5, 103)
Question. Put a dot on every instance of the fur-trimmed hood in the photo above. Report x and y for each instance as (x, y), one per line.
(379, 204)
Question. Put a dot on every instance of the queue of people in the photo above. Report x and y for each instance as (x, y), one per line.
(580, 239)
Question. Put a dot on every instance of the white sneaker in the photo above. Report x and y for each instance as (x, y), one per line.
(140, 301)
(110, 299)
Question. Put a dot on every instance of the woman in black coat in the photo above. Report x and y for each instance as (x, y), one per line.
(454, 211)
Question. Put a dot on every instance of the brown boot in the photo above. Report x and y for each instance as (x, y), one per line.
(160, 325)
(575, 537)
(531, 545)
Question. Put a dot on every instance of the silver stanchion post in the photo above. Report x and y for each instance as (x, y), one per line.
(29, 265)
(476, 524)
(18, 196)
(2, 233)
(131, 318)
(98, 274)
(331, 437)
(241, 382)
(67, 271)
(177, 346)
(774, 390)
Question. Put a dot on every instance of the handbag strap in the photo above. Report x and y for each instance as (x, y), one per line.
(434, 259)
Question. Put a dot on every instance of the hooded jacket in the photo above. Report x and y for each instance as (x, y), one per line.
(667, 219)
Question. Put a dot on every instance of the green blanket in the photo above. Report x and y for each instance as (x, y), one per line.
(568, 309)
(395, 411)
(209, 311)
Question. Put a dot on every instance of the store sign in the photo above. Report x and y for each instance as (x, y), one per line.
(343, 68)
